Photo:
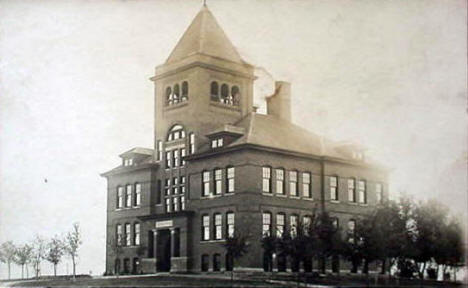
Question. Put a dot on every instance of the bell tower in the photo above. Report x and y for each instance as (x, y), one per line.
(203, 84)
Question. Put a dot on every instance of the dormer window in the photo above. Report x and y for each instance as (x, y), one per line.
(217, 143)
(127, 161)
(358, 155)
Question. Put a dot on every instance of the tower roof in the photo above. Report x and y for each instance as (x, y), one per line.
(205, 36)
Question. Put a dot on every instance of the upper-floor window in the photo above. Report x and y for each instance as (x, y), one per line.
(175, 157)
(168, 159)
(230, 174)
(206, 227)
(266, 184)
(333, 188)
(191, 143)
(266, 222)
(217, 143)
(280, 181)
(306, 185)
(136, 234)
(362, 192)
(175, 204)
(176, 132)
(137, 195)
(293, 183)
(128, 199)
(280, 224)
(206, 183)
(227, 96)
(160, 150)
(119, 234)
(128, 161)
(379, 192)
(182, 203)
(351, 190)
(120, 196)
(174, 94)
(218, 225)
(218, 181)
(230, 224)
(168, 205)
(128, 235)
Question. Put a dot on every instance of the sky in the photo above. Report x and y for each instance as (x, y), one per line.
(75, 93)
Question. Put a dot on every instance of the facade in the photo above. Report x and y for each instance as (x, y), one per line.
(218, 166)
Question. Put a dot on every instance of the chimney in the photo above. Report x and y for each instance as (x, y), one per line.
(279, 104)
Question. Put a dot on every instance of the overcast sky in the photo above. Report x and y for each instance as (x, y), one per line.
(74, 93)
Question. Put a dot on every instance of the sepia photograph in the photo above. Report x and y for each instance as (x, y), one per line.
(233, 143)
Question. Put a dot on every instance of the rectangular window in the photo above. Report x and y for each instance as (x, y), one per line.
(362, 192)
(306, 185)
(160, 150)
(378, 192)
(280, 223)
(120, 196)
(230, 179)
(175, 190)
(266, 229)
(218, 226)
(293, 221)
(182, 189)
(217, 143)
(137, 194)
(183, 154)
(206, 183)
(119, 234)
(280, 181)
(175, 154)
(218, 181)
(333, 188)
(136, 235)
(158, 192)
(293, 183)
(168, 205)
(230, 224)
(182, 203)
(192, 143)
(127, 235)
(168, 159)
(206, 227)
(175, 204)
(175, 180)
(182, 179)
(306, 222)
(266, 185)
(351, 190)
(129, 196)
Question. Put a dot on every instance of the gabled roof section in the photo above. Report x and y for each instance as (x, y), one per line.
(138, 151)
(205, 36)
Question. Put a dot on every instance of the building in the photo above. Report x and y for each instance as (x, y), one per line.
(218, 166)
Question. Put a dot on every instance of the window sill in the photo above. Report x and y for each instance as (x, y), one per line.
(168, 107)
(229, 194)
(281, 195)
(363, 204)
(352, 203)
(334, 201)
(267, 194)
(213, 241)
(308, 199)
(294, 197)
(222, 105)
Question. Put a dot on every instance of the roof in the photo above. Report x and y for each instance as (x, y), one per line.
(205, 36)
(138, 150)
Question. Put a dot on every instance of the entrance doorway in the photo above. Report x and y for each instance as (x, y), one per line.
(164, 250)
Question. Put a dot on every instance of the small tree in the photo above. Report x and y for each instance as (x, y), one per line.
(7, 254)
(269, 245)
(115, 246)
(38, 253)
(23, 256)
(54, 252)
(236, 246)
(72, 243)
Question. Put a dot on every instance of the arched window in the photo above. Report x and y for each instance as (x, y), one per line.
(177, 132)
(176, 93)
(184, 91)
(214, 91)
(169, 96)
(235, 95)
(224, 93)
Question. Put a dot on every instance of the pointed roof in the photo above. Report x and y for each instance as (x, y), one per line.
(205, 36)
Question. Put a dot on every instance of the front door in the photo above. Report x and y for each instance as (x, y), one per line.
(164, 250)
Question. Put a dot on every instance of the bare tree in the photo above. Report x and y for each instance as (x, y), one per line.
(54, 252)
(7, 254)
(23, 257)
(72, 243)
(38, 254)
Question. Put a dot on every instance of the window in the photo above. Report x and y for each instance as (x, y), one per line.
(333, 188)
(168, 159)
(217, 143)
(177, 132)
(205, 262)
(230, 179)
(362, 192)
(206, 183)
(128, 161)
(306, 185)
(293, 219)
(182, 203)
(136, 235)
(185, 91)
(280, 181)
(306, 222)
(335, 223)
(378, 192)
(127, 235)
(266, 185)
(158, 192)
(266, 220)
(182, 154)
(160, 150)
(182, 180)
(293, 183)
(137, 194)
(169, 96)
(235, 96)
(175, 180)
(168, 205)
(216, 262)
(224, 93)
(175, 154)
(120, 196)
(175, 204)
(214, 91)
(351, 225)
(351, 190)
(280, 224)
(176, 96)
(192, 143)
(128, 199)
(218, 181)
(206, 227)
(218, 225)
(119, 234)
(230, 224)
